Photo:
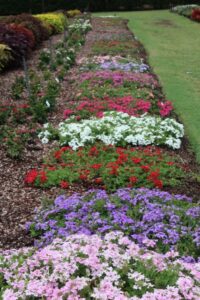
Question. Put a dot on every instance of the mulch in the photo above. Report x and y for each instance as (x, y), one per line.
(17, 201)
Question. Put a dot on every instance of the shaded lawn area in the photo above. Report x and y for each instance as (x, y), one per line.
(173, 44)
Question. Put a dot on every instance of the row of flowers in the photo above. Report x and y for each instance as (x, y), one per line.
(87, 107)
(87, 267)
(116, 128)
(152, 218)
(109, 167)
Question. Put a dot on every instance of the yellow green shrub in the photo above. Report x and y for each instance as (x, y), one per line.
(58, 21)
(5, 56)
(73, 13)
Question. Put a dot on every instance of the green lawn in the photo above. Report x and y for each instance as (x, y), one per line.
(173, 44)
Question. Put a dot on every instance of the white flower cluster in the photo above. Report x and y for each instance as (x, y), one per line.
(117, 128)
(79, 24)
(45, 135)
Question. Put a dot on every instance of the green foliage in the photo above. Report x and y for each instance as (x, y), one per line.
(5, 56)
(123, 48)
(57, 20)
(73, 13)
(17, 87)
(14, 141)
(106, 89)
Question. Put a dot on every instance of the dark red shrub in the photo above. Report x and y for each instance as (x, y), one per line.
(31, 23)
(16, 41)
(196, 14)
(27, 32)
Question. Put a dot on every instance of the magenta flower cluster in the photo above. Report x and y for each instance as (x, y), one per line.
(119, 77)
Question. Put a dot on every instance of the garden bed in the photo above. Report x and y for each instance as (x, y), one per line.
(13, 181)
(115, 150)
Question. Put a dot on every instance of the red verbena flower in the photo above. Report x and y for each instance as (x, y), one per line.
(98, 180)
(136, 160)
(153, 175)
(158, 183)
(93, 151)
(64, 184)
(58, 154)
(83, 176)
(145, 168)
(96, 166)
(43, 177)
(133, 179)
(31, 176)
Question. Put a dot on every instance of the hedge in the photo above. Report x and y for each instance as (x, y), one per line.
(38, 6)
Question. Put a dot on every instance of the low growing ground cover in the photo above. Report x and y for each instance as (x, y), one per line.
(89, 267)
(154, 219)
(127, 232)
(109, 167)
(116, 128)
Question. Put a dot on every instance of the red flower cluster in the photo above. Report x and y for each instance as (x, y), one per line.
(111, 167)
(58, 153)
(196, 14)
(31, 176)
(127, 104)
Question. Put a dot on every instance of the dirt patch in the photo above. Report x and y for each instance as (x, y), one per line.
(165, 23)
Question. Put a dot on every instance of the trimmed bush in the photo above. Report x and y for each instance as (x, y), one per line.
(5, 56)
(57, 20)
(26, 32)
(196, 14)
(30, 22)
(73, 13)
(17, 42)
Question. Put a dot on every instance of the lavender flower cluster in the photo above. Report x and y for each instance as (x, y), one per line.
(152, 218)
(130, 66)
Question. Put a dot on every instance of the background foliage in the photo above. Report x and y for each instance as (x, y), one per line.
(37, 6)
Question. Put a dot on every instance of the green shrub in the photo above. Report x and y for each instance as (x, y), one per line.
(57, 20)
(73, 13)
(5, 56)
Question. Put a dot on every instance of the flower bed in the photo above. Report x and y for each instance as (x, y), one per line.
(112, 63)
(154, 219)
(134, 243)
(191, 11)
(118, 78)
(116, 47)
(40, 89)
(82, 267)
(132, 106)
(116, 128)
(100, 84)
(108, 166)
